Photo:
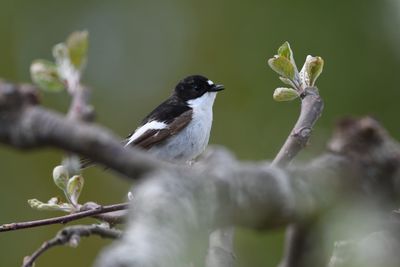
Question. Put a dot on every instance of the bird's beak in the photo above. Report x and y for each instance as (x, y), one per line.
(217, 87)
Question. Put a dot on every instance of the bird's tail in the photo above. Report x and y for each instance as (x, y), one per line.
(86, 162)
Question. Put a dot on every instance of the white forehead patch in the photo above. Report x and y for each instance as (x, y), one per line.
(210, 82)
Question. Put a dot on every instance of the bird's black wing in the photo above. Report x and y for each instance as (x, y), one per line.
(167, 111)
(173, 112)
(152, 137)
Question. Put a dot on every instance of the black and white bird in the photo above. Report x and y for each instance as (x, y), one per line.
(178, 129)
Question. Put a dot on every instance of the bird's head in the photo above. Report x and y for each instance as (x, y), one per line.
(195, 86)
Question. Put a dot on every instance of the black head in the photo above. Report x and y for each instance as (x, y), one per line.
(195, 86)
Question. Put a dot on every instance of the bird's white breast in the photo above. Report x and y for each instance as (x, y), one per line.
(193, 139)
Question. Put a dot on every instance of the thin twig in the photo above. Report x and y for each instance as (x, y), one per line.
(70, 236)
(80, 108)
(113, 218)
(63, 219)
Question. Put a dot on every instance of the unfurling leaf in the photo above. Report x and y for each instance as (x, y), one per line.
(60, 177)
(286, 52)
(54, 204)
(311, 70)
(74, 188)
(45, 75)
(282, 66)
(77, 44)
(285, 94)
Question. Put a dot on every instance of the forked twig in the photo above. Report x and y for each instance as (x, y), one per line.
(71, 235)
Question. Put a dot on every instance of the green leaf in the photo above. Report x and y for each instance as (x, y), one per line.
(282, 66)
(54, 204)
(315, 68)
(60, 177)
(311, 70)
(77, 44)
(285, 51)
(45, 75)
(285, 94)
(74, 188)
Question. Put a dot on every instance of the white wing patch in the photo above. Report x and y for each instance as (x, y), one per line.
(152, 125)
(210, 82)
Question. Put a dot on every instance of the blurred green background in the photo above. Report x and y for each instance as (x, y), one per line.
(140, 49)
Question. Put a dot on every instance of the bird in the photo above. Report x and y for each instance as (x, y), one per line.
(178, 130)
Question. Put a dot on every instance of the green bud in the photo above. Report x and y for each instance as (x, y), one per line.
(74, 188)
(312, 69)
(282, 66)
(77, 44)
(44, 74)
(285, 94)
(60, 177)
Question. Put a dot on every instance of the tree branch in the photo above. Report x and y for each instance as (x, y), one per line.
(221, 191)
(220, 248)
(64, 219)
(112, 218)
(311, 109)
(26, 126)
(70, 236)
(176, 205)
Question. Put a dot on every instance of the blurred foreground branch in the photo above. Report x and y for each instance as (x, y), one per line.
(24, 125)
(177, 205)
(220, 192)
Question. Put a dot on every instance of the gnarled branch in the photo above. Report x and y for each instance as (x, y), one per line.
(221, 191)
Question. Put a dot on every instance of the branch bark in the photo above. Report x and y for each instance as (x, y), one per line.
(311, 109)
